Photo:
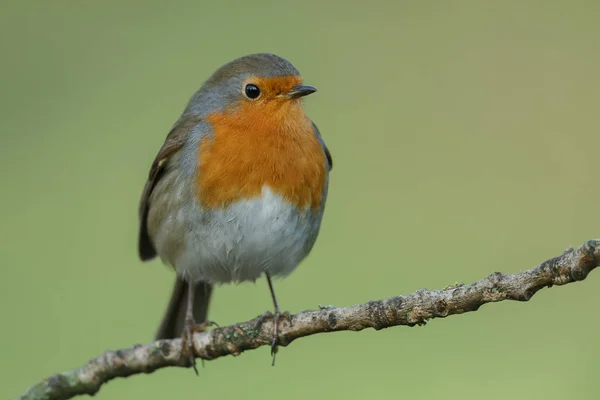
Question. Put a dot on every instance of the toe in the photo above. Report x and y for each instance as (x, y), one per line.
(204, 326)
(187, 346)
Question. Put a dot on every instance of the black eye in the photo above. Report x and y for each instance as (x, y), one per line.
(252, 91)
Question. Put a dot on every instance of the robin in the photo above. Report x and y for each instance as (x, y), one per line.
(237, 190)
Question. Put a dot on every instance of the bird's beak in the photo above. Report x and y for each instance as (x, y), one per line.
(300, 91)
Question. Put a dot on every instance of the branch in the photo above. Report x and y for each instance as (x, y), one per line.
(414, 309)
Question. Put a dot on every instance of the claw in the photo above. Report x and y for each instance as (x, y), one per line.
(187, 345)
(187, 341)
(288, 317)
(262, 318)
(276, 316)
(275, 342)
(204, 326)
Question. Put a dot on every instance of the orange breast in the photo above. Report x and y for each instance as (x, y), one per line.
(273, 145)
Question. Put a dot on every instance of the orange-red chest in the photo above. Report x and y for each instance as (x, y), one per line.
(252, 147)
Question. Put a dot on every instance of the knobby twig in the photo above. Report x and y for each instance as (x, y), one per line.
(413, 309)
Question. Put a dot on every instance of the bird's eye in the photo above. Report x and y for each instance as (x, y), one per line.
(252, 91)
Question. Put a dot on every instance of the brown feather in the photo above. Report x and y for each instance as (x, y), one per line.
(173, 143)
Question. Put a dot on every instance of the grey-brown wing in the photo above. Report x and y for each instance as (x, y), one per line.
(173, 143)
(325, 149)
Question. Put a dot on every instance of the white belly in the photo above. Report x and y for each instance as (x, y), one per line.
(244, 240)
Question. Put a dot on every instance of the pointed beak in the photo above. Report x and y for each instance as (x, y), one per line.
(300, 91)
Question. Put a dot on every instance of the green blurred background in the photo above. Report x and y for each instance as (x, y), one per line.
(466, 140)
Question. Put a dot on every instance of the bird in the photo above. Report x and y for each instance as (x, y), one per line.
(236, 192)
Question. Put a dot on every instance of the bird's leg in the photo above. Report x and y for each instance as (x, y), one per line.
(190, 327)
(276, 315)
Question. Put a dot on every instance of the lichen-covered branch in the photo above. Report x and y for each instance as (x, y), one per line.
(413, 309)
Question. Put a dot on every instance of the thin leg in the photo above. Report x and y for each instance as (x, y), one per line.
(276, 316)
(189, 312)
(187, 342)
(273, 297)
(190, 327)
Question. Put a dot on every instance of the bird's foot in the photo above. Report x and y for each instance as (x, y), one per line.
(276, 317)
(188, 350)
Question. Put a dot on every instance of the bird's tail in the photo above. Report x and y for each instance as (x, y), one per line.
(173, 321)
